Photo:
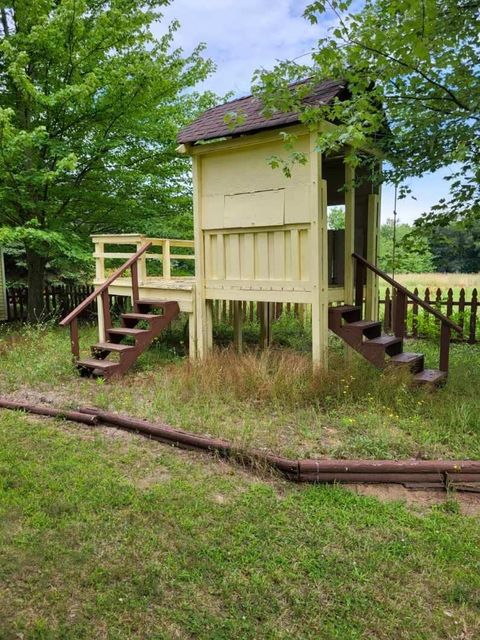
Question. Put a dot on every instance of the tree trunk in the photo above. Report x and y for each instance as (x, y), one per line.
(36, 283)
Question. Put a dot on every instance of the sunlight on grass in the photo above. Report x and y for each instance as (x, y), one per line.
(105, 536)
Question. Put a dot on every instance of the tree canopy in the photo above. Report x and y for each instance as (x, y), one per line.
(90, 105)
(414, 91)
(397, 255)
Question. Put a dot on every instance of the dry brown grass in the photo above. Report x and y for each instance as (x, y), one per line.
(282, 377)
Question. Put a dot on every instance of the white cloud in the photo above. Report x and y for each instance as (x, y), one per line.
(242, 36)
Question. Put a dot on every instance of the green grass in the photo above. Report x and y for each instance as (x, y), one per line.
(269, 400)
(105, 536)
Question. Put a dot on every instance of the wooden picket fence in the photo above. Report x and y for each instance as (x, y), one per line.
(420, 324)
(59, 300)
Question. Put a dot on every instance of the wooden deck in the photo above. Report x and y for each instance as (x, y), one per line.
(181, 290)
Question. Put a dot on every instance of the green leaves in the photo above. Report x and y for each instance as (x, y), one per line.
(90, 107)
(412, 74)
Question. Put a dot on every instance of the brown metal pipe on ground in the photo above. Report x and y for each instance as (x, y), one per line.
(389, 466)
(74, 416)
(396, 478)
(161, 432)
(437, 473)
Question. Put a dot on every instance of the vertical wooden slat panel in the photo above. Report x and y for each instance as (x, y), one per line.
(278, 255)
(295, 267)
(304, 253)
(261, 256)
(219, 268)
(247, 256)
(210, 254)
(232, 255)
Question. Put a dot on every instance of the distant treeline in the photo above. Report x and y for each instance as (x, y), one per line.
(445, 249)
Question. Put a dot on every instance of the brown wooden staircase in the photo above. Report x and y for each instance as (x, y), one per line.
(366, 337)
(149, 318)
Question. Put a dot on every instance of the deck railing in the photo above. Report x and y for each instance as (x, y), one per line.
(171, 252)
(71, 320)
(400, 311)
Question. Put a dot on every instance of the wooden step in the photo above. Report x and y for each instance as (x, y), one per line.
(368, 328)
(374, 350)
(414, 361)
(384, 341)
(345, 313)
(343, 308)
(430, 376)
(127, 331)
(112, 346)
(139, 316)
(93, 363)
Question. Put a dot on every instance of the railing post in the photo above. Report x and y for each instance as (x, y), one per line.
(400, 314)
(444, 346)
(74, 343)
(359, 282)
(167, 267)
(107, 321)
(135, 295)
(99, 261)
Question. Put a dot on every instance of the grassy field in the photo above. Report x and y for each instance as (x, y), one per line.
(106, 535)
(443, 281)
(109, 536)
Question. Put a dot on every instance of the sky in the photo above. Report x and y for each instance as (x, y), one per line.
(244, 35)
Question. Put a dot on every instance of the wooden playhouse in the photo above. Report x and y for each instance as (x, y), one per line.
(258, 236)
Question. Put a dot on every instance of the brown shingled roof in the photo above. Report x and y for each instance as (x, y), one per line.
(211, 124)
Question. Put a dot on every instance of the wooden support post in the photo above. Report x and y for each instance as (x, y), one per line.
(102, 336)
(237, 326)
(265, 324)
(135, 294)
(373, 223)
(99, 262)
(203, 309)
(167, 267)
(349, 233)
(359, 282)
(192, 340)
(105, 299)
(319, 258)
(142, 265)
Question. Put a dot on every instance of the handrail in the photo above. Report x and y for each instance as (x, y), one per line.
(103, 287)
(166, 257)
(440, 316)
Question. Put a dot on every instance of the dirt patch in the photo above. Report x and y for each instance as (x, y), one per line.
(150, 479)
(53, 398)
(421, 499)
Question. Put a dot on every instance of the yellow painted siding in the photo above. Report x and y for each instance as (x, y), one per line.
(255, 221)
(241, 190)
(3, 290)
